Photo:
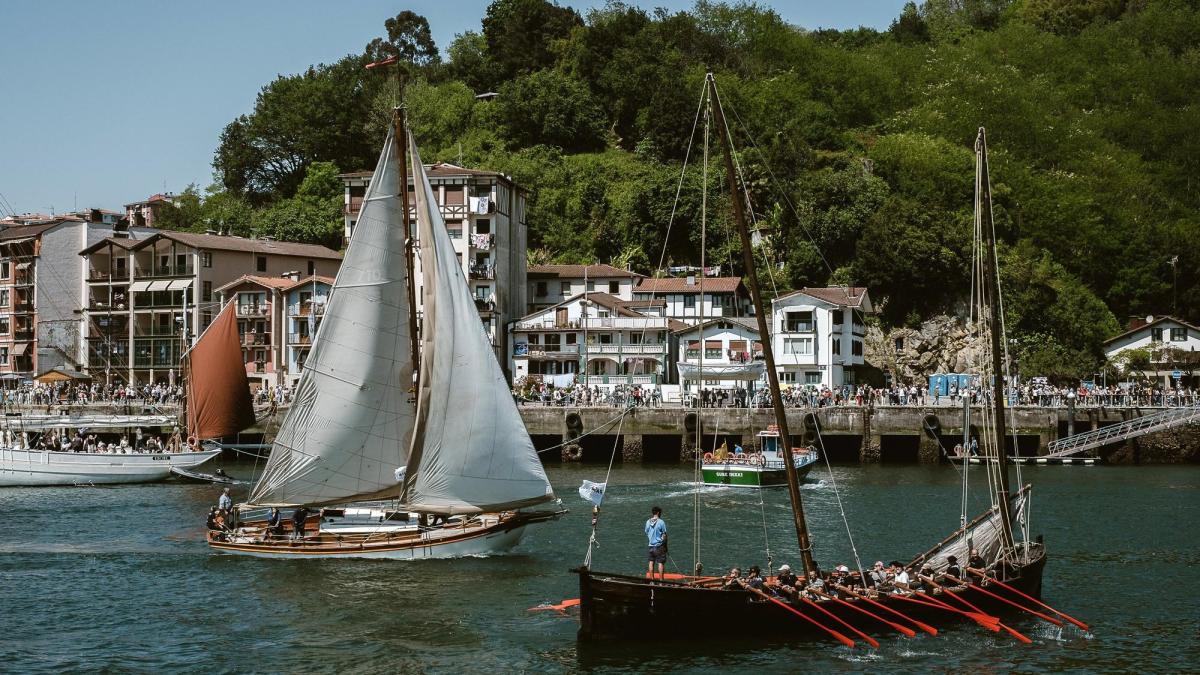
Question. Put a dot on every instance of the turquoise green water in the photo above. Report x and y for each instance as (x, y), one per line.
(119, 579)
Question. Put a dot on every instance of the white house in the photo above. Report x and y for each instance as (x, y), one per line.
(691, 298)
(724, 353)
(551, 284)
(1173, 344)
(817, 335)
(595, 339)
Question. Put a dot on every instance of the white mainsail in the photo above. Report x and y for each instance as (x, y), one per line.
(470, 450)
(350, 425)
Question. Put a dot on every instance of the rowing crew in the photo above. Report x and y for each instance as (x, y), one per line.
(841, 582)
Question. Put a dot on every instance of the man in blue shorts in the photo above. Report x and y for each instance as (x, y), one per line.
(656, 533)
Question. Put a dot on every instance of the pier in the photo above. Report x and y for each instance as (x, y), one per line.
(864, 434)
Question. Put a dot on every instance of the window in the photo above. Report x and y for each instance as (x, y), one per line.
(305, 298)
(205, 259)
(856, 348)
(541, 288)
(787, 376)
(180, 262)
(4, 269)
(4, 298)
(205, 319)
(693, 351)
(837, 317)
(571, 338)
(206, 291)
(312, 267)
(837, 346)
(712, 351)
(1156, 334)
(565, 287)
(482, 292)
(812, 377)
(4, 327)
(689, 302)
(1178, 334)
(798, 346)
(614, 287)
(799, 322)
(606, 338)
(899, 342)
(483, 226)
(591, 287)
(260, 263)
(455, 232)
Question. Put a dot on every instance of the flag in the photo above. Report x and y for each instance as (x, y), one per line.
(592, 492)
(385, 62)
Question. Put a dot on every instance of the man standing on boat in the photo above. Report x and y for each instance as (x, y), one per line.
(656, 533)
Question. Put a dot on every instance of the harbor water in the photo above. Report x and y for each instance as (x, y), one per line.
(119, 579)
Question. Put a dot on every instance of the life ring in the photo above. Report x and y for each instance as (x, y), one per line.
(757, 460)
(798, 451)
(708, 457)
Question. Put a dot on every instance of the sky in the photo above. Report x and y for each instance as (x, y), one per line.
(107, 103)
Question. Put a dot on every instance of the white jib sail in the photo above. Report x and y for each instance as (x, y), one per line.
(350, 424)
(470, 450)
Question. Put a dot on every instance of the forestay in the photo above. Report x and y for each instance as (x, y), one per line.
(351, 422)
(470, 449)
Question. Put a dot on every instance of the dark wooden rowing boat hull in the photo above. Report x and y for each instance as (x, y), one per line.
(614, 606)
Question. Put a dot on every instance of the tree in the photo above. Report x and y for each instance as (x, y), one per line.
(521, 34)
(470, 64)
(313, 216)
(408, 38)
(552, 108)
(910, 27)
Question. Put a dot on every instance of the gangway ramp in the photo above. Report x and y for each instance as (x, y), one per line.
(1123, 431)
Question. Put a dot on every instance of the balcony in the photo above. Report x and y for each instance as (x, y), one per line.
(624, 322)
(260, 367)
(100, 276)
(252, 310)
(23, 307)
(299, 339)
(169, 271)
(614, 349)
(22, 335)
(23, 280)
(482, 272)
(256, 339)
(545, 351)
(485, 304)
(800, 327)
(306, 310)
(590, 380)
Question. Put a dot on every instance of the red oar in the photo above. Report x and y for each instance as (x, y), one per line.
(561, 607)
(923, 626)
(838, 636)
(1023, 608)
(866, 638)
(1011, 631)
(988, 622)
(1001, 584)
(903, 629)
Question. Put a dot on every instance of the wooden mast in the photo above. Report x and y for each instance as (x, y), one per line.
(402, 143)
(739, 217)
(991, 288)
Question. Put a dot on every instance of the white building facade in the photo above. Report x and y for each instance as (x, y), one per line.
(691, 299)
(1173, 347)
(551, 284)
(722, 353)
(818, 335)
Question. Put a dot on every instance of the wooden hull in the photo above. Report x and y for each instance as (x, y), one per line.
(622, 607)
(488, 534)
(38, 468)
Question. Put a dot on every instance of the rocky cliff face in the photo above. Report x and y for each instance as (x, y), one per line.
(939, 345)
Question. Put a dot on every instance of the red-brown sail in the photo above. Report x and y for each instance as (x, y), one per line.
(218, 393)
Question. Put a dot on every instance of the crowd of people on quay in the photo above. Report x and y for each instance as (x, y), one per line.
(532, 392)
(64, 393)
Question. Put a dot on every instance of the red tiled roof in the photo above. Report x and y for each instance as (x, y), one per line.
(279, 283)
(308, 280)
(748, 322)
(598, 271)
(846, 296)
(440, 169)
(681, 285)
(230, 243)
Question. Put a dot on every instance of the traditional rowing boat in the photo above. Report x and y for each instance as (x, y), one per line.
(618, 606)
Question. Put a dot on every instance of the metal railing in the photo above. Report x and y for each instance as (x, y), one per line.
(1123, 431)
(251, 310)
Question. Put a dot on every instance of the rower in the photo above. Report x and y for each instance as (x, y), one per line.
(755, 580)
(786, 581)
(733, 579)
(975, 562)
(878, 577)
(953, 570)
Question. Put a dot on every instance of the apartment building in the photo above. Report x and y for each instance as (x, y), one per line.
(818, 335)
(144, 213)
(258, 303)
(148, 298)
(690, 298)
(551, 284)
(42, 289)
(595, 339)
(723, 353)
(485, 216)
(305, 301)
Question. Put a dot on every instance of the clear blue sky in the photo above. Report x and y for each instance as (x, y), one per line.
(107, 103)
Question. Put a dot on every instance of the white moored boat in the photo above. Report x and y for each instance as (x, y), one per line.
(42, 467)
(446, 448)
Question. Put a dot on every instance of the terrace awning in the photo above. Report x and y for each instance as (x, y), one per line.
(139, 286)
(179, 284)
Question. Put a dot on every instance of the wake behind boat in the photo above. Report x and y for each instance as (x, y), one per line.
(386, 410)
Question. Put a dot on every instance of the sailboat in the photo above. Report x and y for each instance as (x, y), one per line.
(1008, 574)
(405, 438)
(218, 404)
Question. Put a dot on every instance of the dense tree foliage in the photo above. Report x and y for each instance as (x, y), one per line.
(855, 146)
